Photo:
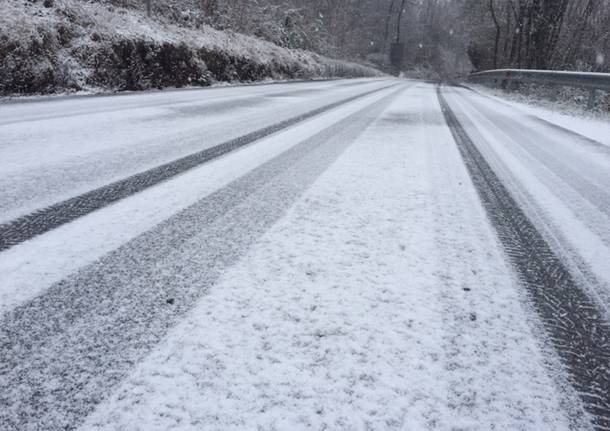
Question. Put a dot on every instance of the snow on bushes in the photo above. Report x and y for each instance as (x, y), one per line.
(68, 45)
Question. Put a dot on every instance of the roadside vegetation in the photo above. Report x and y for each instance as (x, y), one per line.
(55, 46)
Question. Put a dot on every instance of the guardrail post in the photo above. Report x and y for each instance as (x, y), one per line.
(554, 93)
(592, 97)
(509, 82)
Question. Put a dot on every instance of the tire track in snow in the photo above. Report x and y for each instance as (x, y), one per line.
(46, 219)
(575, 327)
(589, 141)
(588, 179)
(63, 352)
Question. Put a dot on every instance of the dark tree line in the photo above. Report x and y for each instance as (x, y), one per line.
(540, 34)
(444, 36)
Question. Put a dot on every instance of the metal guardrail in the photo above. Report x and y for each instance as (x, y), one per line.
(508, 79)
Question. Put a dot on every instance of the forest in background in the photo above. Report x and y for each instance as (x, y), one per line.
(444, 36)
(51, 46)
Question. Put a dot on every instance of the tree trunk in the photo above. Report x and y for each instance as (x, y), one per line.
(399, 20)
(498, 30)
(387, 26)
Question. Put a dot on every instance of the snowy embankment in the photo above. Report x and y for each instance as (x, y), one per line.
(70, 45)
(570, 115)
(371, 304)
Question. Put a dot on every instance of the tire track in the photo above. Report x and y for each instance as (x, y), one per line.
(574, 325)
(585, 139)
(64, 352)
(46, 219)
(588, 179)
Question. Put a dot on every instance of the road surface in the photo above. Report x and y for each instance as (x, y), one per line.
(356, 254)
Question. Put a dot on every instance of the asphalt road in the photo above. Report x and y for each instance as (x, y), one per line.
(574, 324)
(119, 215)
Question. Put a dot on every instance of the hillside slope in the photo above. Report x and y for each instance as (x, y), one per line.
(49, 46)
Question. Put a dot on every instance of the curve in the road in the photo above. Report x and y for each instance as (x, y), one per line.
(575, 327)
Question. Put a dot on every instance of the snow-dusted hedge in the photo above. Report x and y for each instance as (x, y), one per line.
(61, 45)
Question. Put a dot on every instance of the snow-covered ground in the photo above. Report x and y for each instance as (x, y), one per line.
(77, 144)
(340, 273)
(32, 267)
(561, 179)
(371, 305)
(594, 125)
(69, 45)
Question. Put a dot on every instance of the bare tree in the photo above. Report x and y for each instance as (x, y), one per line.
(497, 36)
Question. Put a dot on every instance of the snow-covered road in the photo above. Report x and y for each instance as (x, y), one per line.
(329, 260)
